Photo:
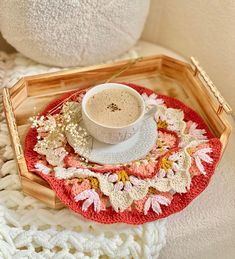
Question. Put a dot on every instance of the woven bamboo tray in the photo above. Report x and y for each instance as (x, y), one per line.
(165, 75)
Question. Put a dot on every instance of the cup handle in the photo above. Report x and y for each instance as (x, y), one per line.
(150, 112)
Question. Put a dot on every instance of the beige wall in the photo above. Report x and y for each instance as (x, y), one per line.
(201, 28)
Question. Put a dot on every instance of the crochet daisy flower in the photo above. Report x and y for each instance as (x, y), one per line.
(202, 155)
(192, 129)
(89, 197)
(152, 100)
(155, 202)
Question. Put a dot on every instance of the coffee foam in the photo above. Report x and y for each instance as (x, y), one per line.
(114, 107)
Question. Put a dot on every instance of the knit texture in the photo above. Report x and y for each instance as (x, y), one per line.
(201, 167)
(72, 32)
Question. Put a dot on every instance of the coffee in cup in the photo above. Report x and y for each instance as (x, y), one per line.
(114, 107)
(112, 112)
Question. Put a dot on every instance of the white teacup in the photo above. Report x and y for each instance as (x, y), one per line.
(108, 134)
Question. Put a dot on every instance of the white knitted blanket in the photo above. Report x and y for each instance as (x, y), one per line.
(28, 229)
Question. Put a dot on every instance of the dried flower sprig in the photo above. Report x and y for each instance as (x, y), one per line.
(53, 129)
(44, 124)
(78, 96)
(74, 131)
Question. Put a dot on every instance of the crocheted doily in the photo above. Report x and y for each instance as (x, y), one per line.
(29, 229)
(176, 170)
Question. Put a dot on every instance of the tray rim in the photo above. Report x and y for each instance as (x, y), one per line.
(8, 94)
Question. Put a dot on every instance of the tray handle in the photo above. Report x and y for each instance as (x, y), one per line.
(223, 104)
(12, 124)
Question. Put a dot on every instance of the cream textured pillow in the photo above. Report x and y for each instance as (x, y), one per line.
(72, 32)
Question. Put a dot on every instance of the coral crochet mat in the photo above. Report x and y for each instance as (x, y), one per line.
(176, 170)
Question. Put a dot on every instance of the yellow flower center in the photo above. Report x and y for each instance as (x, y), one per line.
(123, 176)
(162, 124)
(80, 180)
(152, 190)
(94, 182)
(147, 158)
(160, 145)
(190, 151)
(166, 164)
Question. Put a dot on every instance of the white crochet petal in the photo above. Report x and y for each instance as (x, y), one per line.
(147, 205)
(139, 192)
(199, 165)
(162, 200)
(87, 203)
(120, 200)
(156, 206)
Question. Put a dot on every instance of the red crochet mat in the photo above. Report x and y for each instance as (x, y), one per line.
(131, 216)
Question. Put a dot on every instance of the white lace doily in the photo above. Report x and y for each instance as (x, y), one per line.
(28, 229)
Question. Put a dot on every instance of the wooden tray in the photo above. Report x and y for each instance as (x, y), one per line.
(165, 75)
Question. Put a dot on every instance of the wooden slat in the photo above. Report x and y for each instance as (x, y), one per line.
(218, 123)
(41, 193)
(93, 75)
(17, 87)
(19, 97)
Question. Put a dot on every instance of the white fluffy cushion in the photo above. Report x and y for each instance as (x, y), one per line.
(72, 32)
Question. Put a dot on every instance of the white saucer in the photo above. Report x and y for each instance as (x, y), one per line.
(132, 149)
